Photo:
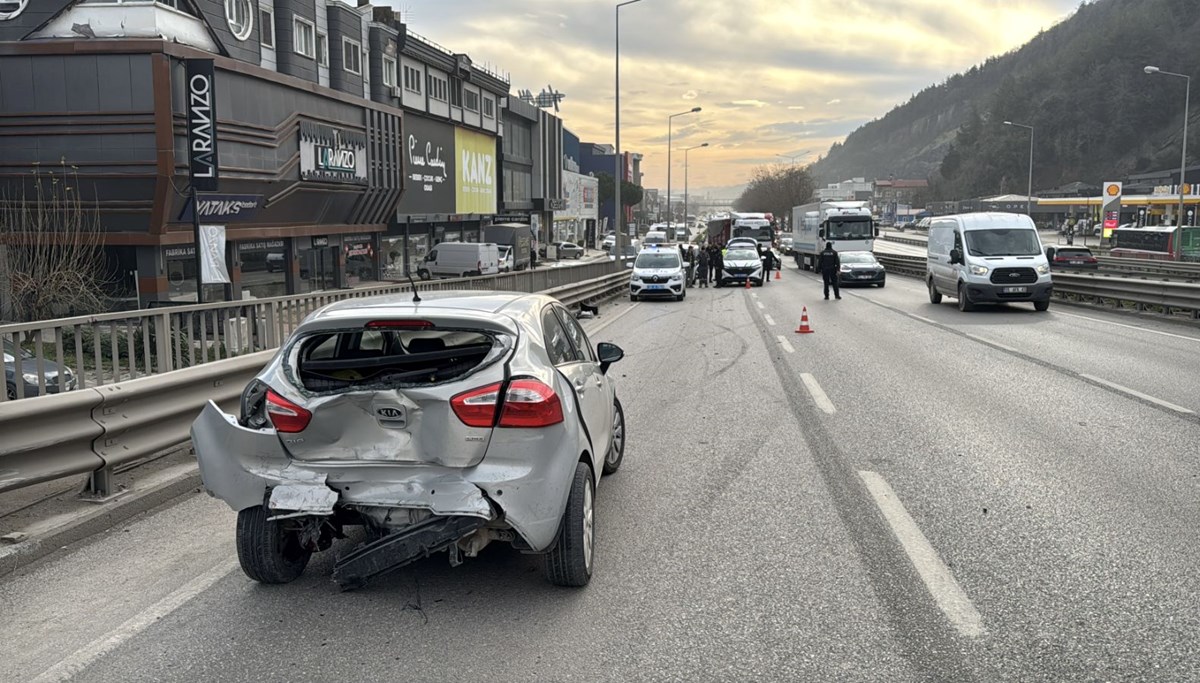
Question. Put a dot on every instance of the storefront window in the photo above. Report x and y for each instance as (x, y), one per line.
(452, 236)
(418, 248)
(360, 259)
(264, 267)
(318, 266)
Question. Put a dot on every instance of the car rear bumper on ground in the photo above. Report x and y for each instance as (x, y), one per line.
(990, 293)
(242, 466)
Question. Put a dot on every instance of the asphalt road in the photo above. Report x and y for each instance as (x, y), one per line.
(910, 493)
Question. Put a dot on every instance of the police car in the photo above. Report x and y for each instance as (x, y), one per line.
(658, 271)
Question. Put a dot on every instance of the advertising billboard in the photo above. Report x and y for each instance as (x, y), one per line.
(475, 184)
(428, 167)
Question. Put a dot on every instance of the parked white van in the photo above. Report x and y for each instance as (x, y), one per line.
(987, 258)
(460, 259)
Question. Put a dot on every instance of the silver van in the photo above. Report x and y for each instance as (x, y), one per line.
(987, 258)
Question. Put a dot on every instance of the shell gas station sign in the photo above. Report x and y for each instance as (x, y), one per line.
(1112, 208)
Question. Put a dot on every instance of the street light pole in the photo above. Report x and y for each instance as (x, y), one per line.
(671, 214)
(1029, 189)
(793, 157)
(617, 218)
(1187, 96)
(685, 182)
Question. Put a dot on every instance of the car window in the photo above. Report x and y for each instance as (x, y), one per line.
(558, 345)
(579, 339)
(657, 259)
(740, 255)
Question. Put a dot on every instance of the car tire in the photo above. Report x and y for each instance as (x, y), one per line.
(633, 297)
(423, 274)
(10, 391)
(1041, 305)
(882, 283)
(616, 452)
(935, 297)
(267, 551)
(569, 562)
(964, 300)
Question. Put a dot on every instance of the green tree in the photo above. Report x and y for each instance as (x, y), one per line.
(631, 195)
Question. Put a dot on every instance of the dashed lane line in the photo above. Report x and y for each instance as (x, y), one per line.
(938, 580)
(760, 305)
(769, 319)
(787, 345)
(817, 393)
(1132, 327)
(1137, 394)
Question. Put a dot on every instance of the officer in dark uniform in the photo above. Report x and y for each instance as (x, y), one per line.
(830, 264)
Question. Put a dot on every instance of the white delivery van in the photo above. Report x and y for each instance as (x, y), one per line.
(987, 258)
(460, 259)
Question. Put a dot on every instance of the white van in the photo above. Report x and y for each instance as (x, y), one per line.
(987, 258)
(460, 259)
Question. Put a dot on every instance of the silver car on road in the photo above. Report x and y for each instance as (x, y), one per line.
(439, 424)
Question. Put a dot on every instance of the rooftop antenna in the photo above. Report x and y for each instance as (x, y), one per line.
(416, 296)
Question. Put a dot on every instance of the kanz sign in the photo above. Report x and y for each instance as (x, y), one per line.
(332, 155)
(202, 124)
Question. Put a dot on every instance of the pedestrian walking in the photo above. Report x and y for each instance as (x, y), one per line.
(830, 264)
(702, 268)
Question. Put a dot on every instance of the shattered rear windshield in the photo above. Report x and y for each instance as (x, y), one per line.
(352, 359)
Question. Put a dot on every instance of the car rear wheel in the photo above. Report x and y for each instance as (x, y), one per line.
(935, 297)
(964, 300)
(1041, 305)
(268, 552)
(616, 452)
(10, 390)
(423, 274)
(569, 562)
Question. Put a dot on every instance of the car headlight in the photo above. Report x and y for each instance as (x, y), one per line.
(979, 270)
(676, 276)
(1043, 269)
(845, 269)
(30, 377)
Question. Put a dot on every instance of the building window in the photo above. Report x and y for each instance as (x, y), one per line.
(489, 107)
(323, 49)
(470, 100)
(456, 92)
(436, 88)
(304, 38)
(240, 17)
(389, 72)
(9, 9)
(412, 79)
(266, 28)
(352, 56)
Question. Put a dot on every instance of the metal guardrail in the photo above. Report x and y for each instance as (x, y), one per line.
(1137, 266)
(1167, 296)
(97, 429)
(103, 349)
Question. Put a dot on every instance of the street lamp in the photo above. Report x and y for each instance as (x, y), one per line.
(671, 214)
(1187, 96)
(793, 157)
(1029, 190)
(617, 217)
(685, 182)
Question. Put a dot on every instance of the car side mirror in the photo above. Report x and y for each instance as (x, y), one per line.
(608, 354)
(956, 256)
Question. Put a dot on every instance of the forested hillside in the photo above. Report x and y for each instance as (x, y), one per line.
(1097, 115)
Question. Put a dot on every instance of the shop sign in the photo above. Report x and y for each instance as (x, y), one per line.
(475, 184)
(511, 218)
(332, 155)
(429, 167)
(201, 123)
(556, 204)
(227, 208)
(318, 242)
(182, 252)
(259, 245)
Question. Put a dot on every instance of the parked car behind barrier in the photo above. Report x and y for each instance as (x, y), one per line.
(21, 374)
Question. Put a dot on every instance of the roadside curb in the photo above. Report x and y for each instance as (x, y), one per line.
(90, 519)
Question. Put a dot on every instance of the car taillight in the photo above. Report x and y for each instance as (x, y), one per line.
(1092, 259)
(477, 407)
(529, 403)
(287, 417)
(398, 324)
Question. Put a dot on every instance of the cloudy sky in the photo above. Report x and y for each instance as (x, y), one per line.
(772, 76)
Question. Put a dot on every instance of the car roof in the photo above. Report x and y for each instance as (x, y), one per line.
(992, 219)
(492, 309)
(660, 249)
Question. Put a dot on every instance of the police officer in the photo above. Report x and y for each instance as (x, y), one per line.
(830, 264)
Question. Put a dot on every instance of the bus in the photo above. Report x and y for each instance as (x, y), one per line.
(1157, 242)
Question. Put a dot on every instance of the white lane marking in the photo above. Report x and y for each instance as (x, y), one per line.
(770, 320)
(787, 345)
(1138, 394)
(93, 651)
(754, 294)
(946, 592)
(997, 344)
(922, 319)
(613, 319)
(760, 305)
(1132, 327)
(817, 393)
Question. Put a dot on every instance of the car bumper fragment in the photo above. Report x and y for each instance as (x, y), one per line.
(402, 547)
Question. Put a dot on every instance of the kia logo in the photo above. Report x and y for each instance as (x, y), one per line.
(390, 413)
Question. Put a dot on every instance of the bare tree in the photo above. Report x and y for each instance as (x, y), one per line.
(55, 261)
(776, 189)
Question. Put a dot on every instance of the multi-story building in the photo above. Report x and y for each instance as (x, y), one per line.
(854, 189)
(344, 143)
(596, 158)
(897, 198)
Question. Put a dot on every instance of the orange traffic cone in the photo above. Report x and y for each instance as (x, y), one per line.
(747, 283)
(804, 328)
(777, 275)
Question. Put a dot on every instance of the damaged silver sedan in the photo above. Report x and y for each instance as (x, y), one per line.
(440, 424)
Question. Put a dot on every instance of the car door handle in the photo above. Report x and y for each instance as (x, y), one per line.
(580, 386)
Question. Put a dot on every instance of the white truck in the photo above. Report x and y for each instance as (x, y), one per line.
(845, 223)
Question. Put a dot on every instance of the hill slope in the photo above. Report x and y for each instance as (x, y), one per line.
(1080, 84)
